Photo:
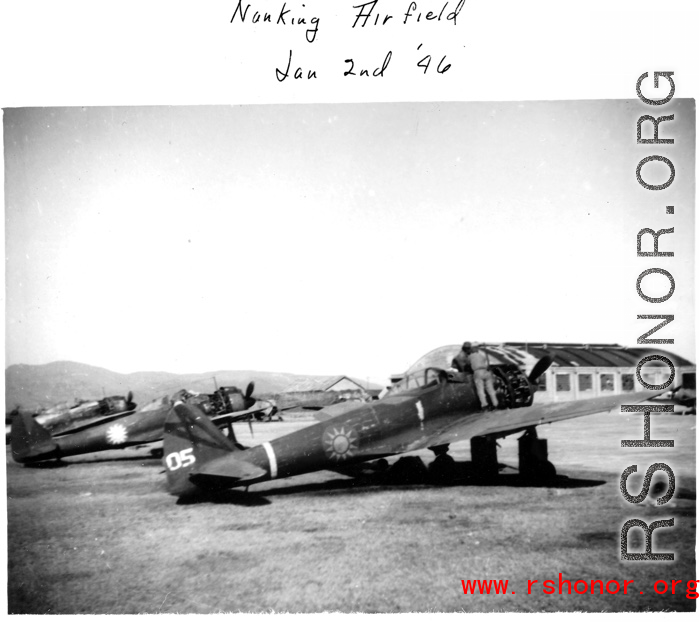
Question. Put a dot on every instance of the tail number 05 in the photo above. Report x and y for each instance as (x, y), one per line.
(179, 459)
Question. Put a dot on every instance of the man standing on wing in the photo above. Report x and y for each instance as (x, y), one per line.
(482, 376)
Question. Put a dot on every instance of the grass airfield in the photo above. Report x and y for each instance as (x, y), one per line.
(99, 533)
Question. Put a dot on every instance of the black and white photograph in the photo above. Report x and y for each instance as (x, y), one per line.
(370, 355)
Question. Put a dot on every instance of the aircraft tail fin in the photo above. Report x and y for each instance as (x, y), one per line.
(29, 440)
(190, 441)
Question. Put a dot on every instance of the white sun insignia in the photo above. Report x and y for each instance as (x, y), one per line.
(116, 434)
(340, 444)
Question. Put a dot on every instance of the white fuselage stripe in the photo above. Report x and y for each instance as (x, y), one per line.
(271, 457)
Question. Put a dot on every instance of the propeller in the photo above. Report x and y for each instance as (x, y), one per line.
(248, 399)
(540, 367)
(250, 425)
(249, 389)
(249, 402)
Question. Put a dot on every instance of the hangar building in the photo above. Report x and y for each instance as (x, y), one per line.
(581, 370)
(591, 370)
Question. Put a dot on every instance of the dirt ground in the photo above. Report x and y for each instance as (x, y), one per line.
(99, 534)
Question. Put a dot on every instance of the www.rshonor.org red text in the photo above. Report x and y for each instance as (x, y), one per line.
(581, 586)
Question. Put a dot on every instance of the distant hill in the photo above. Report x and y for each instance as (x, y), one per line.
(36, 386)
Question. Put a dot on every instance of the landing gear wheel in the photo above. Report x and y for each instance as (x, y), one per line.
(406, 470)
(380, 465)
(532, 458)
(484, 458)
(441, 471)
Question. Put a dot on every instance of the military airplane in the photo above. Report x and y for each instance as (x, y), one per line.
(31, 442)
(108, 408)
(232, 400)
(431, 407)
(63, 418)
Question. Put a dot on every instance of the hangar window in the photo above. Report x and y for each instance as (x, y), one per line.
(689, 380)
(542, 383)
(563, 382)
(585, 382)
(628, 382)
(607, 382)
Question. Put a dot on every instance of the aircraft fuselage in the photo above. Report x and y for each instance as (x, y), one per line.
(368, 431)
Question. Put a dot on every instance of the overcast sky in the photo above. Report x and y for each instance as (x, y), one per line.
(335, 239)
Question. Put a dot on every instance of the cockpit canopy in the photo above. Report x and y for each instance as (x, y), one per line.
(440, 358)
(417, 379)
(496, 353)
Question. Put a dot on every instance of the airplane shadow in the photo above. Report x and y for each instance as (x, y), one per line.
(378, 482)
(46, 464)
(60, 464)
(225, 497)
(370, 485)
(120, 459)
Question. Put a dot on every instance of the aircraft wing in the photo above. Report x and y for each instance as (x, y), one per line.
(505, 422)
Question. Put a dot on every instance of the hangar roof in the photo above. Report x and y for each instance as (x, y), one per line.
(565, 355)
(595, 354)
(321, 383)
